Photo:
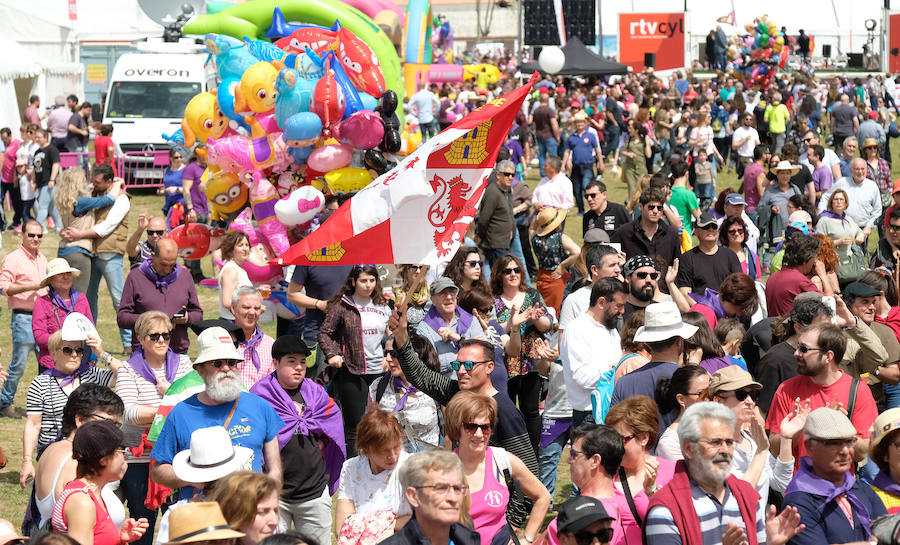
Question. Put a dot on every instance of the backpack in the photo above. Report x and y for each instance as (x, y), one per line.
(602, 394)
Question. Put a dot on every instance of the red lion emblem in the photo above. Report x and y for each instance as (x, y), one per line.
(452, 210)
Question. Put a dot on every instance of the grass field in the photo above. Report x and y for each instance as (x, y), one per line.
(13, 498)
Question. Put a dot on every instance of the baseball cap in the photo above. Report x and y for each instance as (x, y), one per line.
(735, 199)
(896, 188)
(731, 378)
(801, 216)
(860, 289)
(442, 284)
(579, 513)
(596, 235)
(825, 423)
(873, 115)
(289, 344)
(706, 219)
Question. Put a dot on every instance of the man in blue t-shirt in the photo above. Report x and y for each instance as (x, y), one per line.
(582, 151)
(251, 421)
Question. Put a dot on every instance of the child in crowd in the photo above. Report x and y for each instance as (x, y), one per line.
(705, 189)
(730, 334)
(104, 149)
(27, 188)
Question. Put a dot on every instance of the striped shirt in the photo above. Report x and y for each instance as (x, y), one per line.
(250, 375)
(47, 399)
(714, 517)
(137, 392)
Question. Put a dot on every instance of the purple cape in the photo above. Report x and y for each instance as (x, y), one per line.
(806, 481)
(710, 298)
(321, 418)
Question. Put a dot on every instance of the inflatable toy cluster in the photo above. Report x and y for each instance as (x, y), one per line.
(755, 55)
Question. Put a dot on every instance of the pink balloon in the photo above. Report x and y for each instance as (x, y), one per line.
(363, 130)
(328, 158)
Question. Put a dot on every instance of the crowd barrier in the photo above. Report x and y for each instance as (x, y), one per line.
(137, 168)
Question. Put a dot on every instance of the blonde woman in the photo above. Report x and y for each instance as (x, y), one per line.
(76, 209)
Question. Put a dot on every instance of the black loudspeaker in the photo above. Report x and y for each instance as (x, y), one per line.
(539, 21)
(854, 60)
(826, 51)
(650, 60)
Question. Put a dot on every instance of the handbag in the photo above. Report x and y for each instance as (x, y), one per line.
(850, 267)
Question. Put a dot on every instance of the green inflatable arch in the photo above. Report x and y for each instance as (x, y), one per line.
(255, 17)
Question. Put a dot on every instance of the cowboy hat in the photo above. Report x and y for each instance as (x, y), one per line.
(211, 456)
(547, 220)
(199, 521)
(869, 143)
(58, 266)
(662, 321)
(785, 165)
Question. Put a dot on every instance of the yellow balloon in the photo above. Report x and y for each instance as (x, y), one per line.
(348, 179)
(779, 40)
(227, 194)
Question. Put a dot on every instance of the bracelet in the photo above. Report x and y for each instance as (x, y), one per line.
(105, 358)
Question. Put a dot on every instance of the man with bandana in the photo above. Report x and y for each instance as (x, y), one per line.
(642, 278)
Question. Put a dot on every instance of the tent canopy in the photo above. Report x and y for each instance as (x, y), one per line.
(581, 61)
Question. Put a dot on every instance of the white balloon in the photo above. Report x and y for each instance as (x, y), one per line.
(300, 206)
(552, 59)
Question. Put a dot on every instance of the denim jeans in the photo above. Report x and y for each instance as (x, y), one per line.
(546, 146)
(110, 267)
(134, 487)
(429, 129)
(22, 344)
(582, 175)
(892, 396)
(46, 207)
(548, 461)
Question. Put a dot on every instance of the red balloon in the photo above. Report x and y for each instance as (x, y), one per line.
(327, 99)
(317, 39)
(196, 240)
(360, 63)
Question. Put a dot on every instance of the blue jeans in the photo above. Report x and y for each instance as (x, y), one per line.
(110, 268)
(515, 249)
(546, 146)
(23, 343)
(134, 487)
(892, 395)
(548, 461)
(582, 175)
(46, 207)
(429, 129)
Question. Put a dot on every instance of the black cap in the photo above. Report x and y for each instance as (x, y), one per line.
(860, 289)
(289, 344)
(579, 513)
(706, 219)
(229, 326)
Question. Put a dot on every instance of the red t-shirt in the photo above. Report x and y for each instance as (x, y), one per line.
(707, 313)
(864, 413)
(101, 151)
(783, 286)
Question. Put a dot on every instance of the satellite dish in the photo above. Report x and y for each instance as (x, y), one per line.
(164, 12)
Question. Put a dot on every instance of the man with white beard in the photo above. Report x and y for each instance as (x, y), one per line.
(250, 420)
(724, 507)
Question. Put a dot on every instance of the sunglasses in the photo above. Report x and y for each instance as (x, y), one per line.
(894, 228)
(803, 349)
(155, 337)
(35, 235)
(468, 365)
(472, 427)
(474, 263)
(592, 195)
(808, 140)
(155, 233)
(655, 207)
(391, 353)
(416, 268)
(507, 173)
(68, 350)
(742, 395)
(603, 535)
(642, 275)
(512, 270)
(219, 363)
(735, 231)
(709, 227)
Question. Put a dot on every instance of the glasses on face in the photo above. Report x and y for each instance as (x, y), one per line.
(219, 363)
(155, 233)
(742, 395)
(474, 263)
(512, 270)
(509, 174)
(603, 535)
(592, 195)
(718, 443)
(104, 418)
(627, 438)
(894, 228)
(709, 227)
(468, 365)
(735, 231)
(642, 275)
(69, 350)
(443, 488)
(575, 453)
(391, 353)
(472, 427)
(35, 235)
(699, 394)
(808, 140)
(155, 337)
(658, 207)
(803, 349)
(836, 443)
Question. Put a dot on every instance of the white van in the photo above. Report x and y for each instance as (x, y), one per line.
(147, 95)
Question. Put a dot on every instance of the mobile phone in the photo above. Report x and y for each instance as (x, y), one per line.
(181, 313)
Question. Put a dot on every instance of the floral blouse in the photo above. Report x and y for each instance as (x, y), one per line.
(526, 362)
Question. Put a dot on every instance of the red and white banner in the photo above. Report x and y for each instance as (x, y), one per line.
(419, 211)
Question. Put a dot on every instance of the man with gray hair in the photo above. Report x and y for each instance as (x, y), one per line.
(247, 305)
(555, 189)
(496, 224)
(724, 509)
(848, 153)
(433, 484)
(864, 207)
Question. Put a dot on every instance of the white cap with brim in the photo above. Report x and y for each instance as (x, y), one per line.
(663, 321)
(77, 327)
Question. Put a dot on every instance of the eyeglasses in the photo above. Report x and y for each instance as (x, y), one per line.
(807, 140)
(894, 228)
(468, 365)
(35, 235)
(803, 349)
(474, 263)
(742, 395)
(155, 337)
(104, 418)
(735, 231)
(603, 535)
(574, 453)
(512, 270)
(68, 350)
(655, 207)
(642, 275)
(444, 488)
(416, 268)
(391, 353)
(592, 195)
(701, 393)
(219, 363)
(627, 438)
(835, 443)
(506, 173)
(472, 427)
(717, 443)
(155, 233)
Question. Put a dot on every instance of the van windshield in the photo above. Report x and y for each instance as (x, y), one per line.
(160, 99)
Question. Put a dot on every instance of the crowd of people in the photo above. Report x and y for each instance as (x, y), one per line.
(714, 365)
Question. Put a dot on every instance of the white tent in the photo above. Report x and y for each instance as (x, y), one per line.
(18, 75)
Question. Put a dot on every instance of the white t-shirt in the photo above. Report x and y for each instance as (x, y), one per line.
(419, 417)
(588, 349)
(374, 322)
(747, 149)
(372, 493)
(831, 158)
(25, 188)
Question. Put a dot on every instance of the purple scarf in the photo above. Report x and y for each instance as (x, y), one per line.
(162, 282)
(711, 299)
(322, 418)
(141, 367)
(831, 214)
(435, 322)
(252, 343)
(806, 481)
(398, 385)
(67, 379)
(884, 482)
(60, 303)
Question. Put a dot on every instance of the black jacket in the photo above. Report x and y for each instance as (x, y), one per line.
(664, 248)
(411, 534)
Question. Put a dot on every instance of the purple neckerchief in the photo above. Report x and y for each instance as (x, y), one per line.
(831, 214)
(60, 303)
(806, 481)
(141, 367)
(435, 322)
(714, 364)
(252, 343)
(398, 385)
(321, 418)
(710, 298)
(884, 482)
(67, 379)
(162, 282)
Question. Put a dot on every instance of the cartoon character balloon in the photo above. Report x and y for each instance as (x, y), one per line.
(360, 63)
(196, 240)
(328, 100)
(202, 119)
(300, 207)
(256, 91)
(227, 195)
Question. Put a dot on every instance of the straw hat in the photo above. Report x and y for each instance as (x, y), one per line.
(199, 521)
(58, 266)
(785, 165)
(869, 143)
(548, 219)
(886, 423)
